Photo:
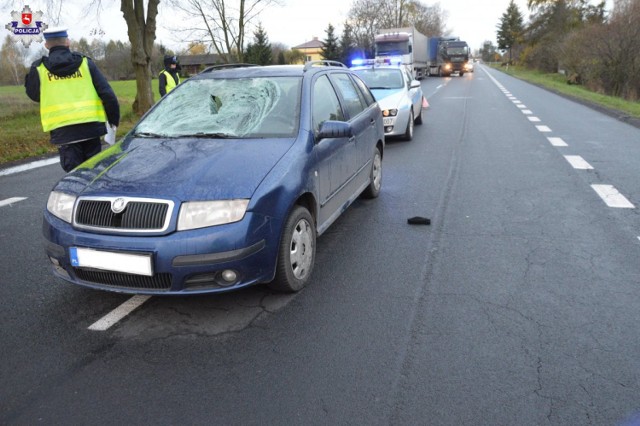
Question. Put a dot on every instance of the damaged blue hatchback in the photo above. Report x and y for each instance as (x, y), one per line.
(224, 183)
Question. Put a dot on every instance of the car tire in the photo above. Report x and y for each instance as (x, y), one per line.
(418, 119)
(297, 252)
(373, 190)
(408, 133)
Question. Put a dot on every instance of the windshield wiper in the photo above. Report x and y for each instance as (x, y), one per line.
(208, 135)
(148, 135)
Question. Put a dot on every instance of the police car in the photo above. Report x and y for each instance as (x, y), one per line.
(398, 94)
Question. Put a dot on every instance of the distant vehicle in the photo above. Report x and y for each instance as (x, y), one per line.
(468, 67)
(447, 56)
(399, 95)
(406, 46)
(226, 182)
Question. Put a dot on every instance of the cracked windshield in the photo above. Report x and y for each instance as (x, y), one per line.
(227, 108)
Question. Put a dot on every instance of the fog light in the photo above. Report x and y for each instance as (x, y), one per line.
(229, 275)
(388, 129)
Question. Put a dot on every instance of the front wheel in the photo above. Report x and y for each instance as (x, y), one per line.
(408, 133)
(418, 119)
(373, 190)
(297, 252)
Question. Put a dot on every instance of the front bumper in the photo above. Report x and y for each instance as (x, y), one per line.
(185, 262)
(397, 126)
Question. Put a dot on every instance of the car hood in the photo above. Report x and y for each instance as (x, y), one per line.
(183, 169)
(388, 99)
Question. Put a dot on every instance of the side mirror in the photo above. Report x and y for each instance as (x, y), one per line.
(334, 129)
(414, 84)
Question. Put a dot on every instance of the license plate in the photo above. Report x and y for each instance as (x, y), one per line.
(138, 264)
(388, 121)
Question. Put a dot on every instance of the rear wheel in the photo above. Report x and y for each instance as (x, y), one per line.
(373, 190)
(297, 252)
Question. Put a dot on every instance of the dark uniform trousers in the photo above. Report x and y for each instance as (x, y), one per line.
(73, 154)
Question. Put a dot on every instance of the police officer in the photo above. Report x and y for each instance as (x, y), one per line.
(169, 78)
(75, 99)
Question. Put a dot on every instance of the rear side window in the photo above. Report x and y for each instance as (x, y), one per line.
(364, 90)
(325, 103)
(354, 104)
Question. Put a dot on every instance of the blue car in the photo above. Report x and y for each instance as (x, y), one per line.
(224, 183)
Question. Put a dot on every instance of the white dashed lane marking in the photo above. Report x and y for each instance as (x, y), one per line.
(578, 162)
(608, 193)
(612, 197)
(557, 141)
(118, 313)
(9, 201)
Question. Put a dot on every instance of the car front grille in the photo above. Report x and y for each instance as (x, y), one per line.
(160, 281)
(137, 214)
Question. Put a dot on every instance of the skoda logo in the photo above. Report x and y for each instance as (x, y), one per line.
(118, 205)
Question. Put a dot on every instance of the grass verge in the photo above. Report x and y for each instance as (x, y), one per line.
(557, 83)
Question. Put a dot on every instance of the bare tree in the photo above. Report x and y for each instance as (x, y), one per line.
(12, 58)
(429, 20)
(223, 23)
(141, 29)
(366, 17)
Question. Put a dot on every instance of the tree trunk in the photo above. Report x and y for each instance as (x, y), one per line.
(142, 34)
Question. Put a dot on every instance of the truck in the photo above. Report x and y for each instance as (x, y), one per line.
(404, 46)
(447, 55)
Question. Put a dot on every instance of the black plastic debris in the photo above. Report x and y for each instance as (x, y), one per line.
(419, 220)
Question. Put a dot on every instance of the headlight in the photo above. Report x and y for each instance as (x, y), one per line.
(60, 205)
(389, 112)
(200, 214)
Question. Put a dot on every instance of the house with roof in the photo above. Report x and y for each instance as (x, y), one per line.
(312, 50)
(193, 64)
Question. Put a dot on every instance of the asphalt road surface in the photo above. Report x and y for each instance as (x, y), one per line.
(518, 305)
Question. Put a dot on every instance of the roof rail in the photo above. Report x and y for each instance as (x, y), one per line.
(324, 62)
(226, 66)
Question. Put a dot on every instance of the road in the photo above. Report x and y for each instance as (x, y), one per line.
(517, 305)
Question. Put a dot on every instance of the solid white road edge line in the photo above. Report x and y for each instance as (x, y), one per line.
(11, 201)
(118, 313)
(577, 162)
(29, 166)
(612, 197)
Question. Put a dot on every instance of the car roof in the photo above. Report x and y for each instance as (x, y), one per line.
(377, 67)
(250, 70)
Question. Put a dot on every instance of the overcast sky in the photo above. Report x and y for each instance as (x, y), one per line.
(296, 22)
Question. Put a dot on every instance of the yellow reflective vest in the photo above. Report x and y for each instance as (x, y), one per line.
(70, 99)
(171, 83)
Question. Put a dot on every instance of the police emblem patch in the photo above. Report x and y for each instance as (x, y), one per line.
(26, 25)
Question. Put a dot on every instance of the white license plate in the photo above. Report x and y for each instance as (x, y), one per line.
(388, 121)
(139, 264)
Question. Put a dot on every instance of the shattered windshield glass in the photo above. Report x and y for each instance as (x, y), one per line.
(227, 108)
